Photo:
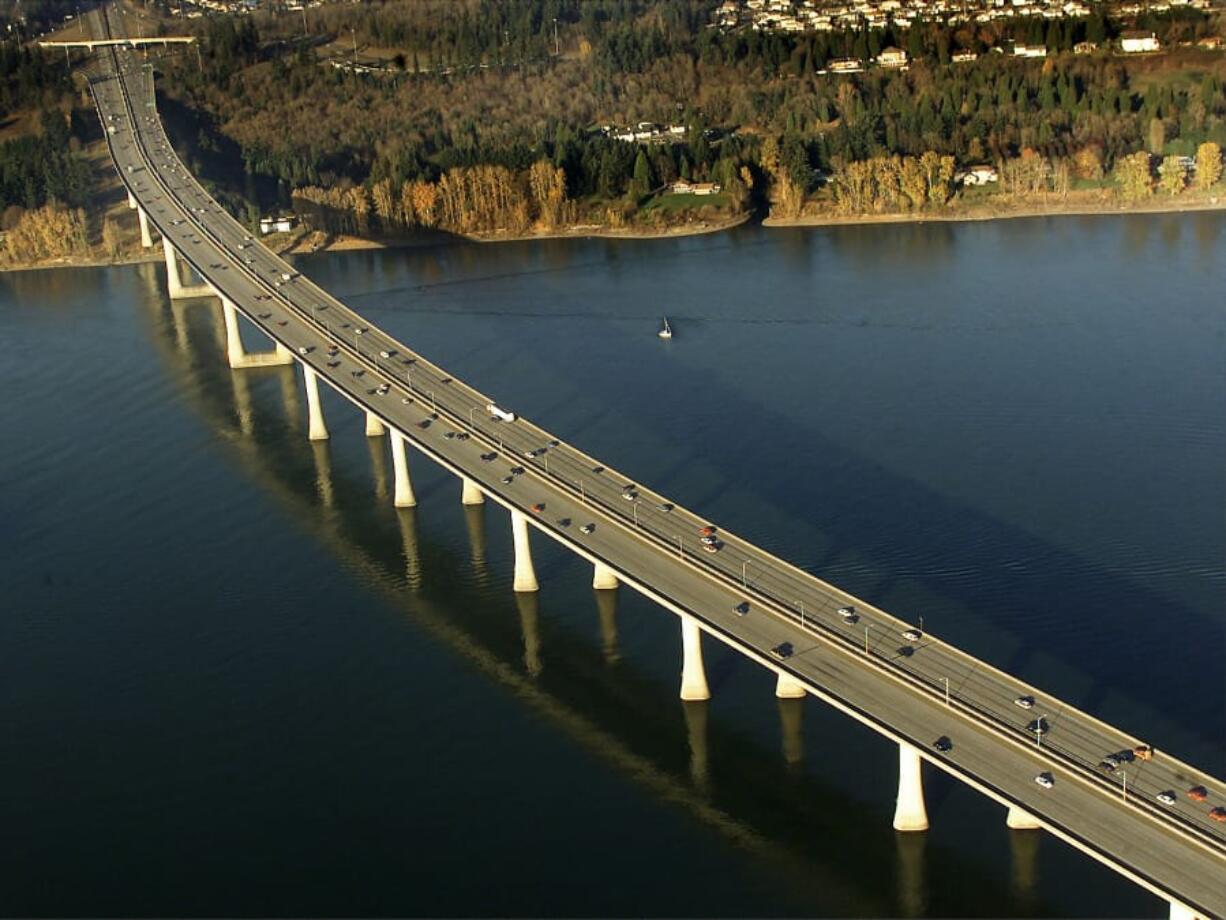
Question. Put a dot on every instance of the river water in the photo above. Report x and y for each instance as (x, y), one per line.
(236, 681)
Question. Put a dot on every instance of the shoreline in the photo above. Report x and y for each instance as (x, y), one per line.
(1066, 209)
(346, 243)
(355, 243)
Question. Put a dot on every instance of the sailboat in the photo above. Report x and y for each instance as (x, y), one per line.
(666, 332)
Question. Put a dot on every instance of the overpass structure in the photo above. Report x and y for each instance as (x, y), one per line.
(910, 687)
(90, 44)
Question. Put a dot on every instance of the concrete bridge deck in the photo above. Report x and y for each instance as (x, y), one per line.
(912, 697)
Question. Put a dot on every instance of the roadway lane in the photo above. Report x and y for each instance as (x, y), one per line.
(987, 723)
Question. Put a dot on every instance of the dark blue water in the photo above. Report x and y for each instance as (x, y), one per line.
(237, 681)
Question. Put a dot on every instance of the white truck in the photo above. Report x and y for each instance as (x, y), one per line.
(501, 414)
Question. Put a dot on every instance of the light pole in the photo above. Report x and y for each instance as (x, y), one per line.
(1038, 732)
(946, 691)
(432, 404)
(471, 423)
(744, 580)
(865, 640)
(1124, 777)
(582, 493)
(801, 605)
(680, 548)
(556, 52)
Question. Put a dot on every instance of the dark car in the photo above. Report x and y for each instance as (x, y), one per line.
(782, 650)
(943, 744)
(742, 608)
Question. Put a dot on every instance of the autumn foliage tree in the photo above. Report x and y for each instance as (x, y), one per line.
(1133, 176)
(1208, 165)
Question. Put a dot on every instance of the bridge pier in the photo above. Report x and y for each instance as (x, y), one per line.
(525, 575)
(174, 281)
(131, 202)
(374, 426)
(1021, 820)
(404, 497)
(471, 494)
(1181, 912)
(788, 687)
(237, 354)
(604, 578)
(910, 813)
(317, 431)
(693, 675)
(146, 238)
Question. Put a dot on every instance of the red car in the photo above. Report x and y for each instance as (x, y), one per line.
(707, 531)
(538, 508)
(1218, 814)
(1198, 793)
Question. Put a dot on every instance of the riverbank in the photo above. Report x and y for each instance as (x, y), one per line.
(1076, 204)
(1072, 206)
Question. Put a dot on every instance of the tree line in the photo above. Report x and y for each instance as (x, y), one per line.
(624, 61)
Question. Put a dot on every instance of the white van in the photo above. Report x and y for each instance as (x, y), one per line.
(498, 413)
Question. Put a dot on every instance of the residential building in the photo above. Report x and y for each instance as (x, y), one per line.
(1138, 42)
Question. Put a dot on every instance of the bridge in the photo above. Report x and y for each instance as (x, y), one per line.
(90, 44)
(907, 685)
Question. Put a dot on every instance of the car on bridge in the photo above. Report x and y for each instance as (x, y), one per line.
(848, 614)
(912, 635)
(1198, 793)
(741, 609)
(1218, 813)
(1026, 702)
(1045, 779)
(587, 528)
(782, 650)
(943, 744)
(1167, 797)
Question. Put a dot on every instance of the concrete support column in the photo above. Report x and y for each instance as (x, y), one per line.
(1020, 820)
(693, 675)
(131, 201)
(318, 431)
(374, 426)
(910, 814)
(471, 494)
(236, 352)
(146, 238)
(234, 341)
(788, 687)
(400, 462)
(1181, 912)
(525, 575)
(174, 283)
(604, 578)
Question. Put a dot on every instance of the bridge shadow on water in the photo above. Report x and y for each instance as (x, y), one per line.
(1013, 599)
(806, 831)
